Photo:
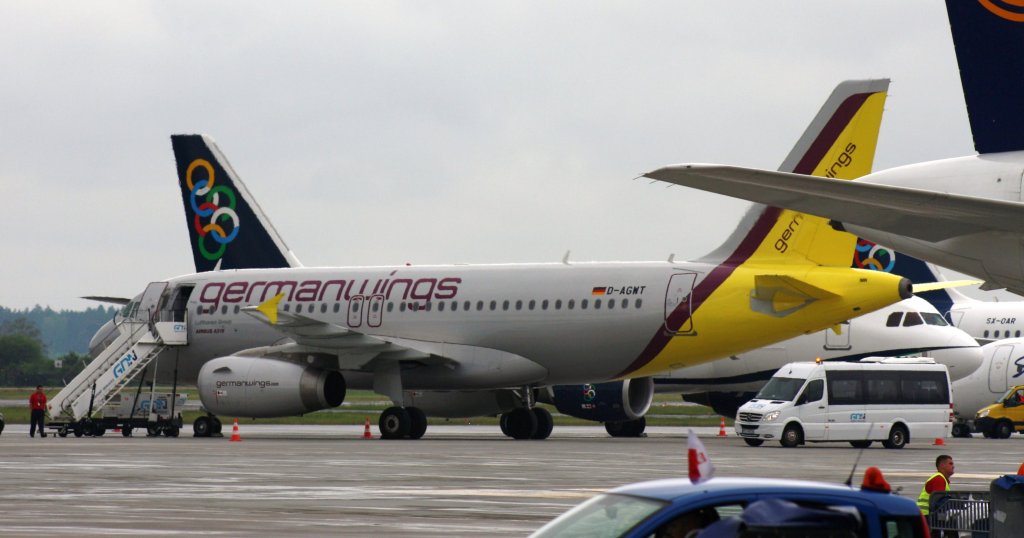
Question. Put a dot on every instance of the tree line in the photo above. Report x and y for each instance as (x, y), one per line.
(24, 361)
(63, 331)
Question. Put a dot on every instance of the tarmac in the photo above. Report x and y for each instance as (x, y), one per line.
(456, 481)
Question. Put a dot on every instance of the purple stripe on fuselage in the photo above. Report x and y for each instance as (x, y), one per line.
(811, 159)
(706, 287)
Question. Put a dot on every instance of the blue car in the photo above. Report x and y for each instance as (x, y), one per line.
(740, 507)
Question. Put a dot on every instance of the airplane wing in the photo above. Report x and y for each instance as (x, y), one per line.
(357, 351)
(927, 215)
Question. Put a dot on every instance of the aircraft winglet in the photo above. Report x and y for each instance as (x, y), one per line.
(269, 308)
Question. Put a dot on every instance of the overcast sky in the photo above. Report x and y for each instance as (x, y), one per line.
(380, 133)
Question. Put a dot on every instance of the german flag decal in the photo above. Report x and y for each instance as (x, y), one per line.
(599, 291)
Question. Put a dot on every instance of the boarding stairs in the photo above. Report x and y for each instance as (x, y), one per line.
(143, 335)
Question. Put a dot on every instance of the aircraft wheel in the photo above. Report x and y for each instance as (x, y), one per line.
(172, 431)
(503, 423)
(152, 431)
(78, 429)
(544, 423)
(394, 423)
(201, 427)
(215, 425)
(961, 430)
(792, 436)
(99, 431)
(418, 425)
(1003, 429)
(522, 423)
(126, 431)
(897, 438)
(753, 442)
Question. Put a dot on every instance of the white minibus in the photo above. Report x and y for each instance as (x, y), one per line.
(892, 400)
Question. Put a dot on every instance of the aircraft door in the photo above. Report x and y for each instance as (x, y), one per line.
(841, 340)
(997, 370)
(150, 301)
(678, 304)
(375, 310)
(355, 310)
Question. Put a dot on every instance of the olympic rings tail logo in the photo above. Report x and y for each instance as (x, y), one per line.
(871, 256)
(216, 202)
(1011, 10)
(589, 393)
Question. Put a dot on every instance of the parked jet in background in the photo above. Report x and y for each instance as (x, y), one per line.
(284, 341)
(965, 213)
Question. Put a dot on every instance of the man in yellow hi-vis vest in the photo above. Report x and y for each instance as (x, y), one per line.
(937, 482)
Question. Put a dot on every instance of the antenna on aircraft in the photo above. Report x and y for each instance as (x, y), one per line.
(672, 258)
(565, 259)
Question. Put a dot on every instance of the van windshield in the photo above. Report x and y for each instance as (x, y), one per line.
(781, 388)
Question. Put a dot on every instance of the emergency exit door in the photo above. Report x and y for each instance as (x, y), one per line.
(679, 304)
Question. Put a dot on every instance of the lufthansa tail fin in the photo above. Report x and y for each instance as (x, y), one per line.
(988, 36)
(227, 228)
(840, 142)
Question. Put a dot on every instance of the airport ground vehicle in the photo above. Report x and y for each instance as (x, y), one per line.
(649, 508)
(156, 413)
(877, 399)
(1004, 417)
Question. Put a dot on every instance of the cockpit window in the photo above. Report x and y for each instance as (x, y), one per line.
(913, 318)
(932, 318)
(894, 319)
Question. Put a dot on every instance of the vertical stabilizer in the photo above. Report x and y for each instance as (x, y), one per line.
(988, 36)
(840, 142)
(227, 228)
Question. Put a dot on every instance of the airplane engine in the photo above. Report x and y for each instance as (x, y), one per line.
(259, 387)
(455, 404)
(725, 404)
(614, 401)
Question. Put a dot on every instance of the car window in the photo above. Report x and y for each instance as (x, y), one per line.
(689, 523)
(603, 516)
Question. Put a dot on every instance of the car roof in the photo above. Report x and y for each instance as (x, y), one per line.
(671, 490)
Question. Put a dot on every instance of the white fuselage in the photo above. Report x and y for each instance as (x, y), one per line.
(993, 255)
(868, 335)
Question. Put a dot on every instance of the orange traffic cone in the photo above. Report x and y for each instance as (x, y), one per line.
(721, 428)
(939, 441)
(366, 430)
(234, 432)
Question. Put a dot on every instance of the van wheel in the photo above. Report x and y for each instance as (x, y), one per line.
(1003, 429)
(792, 436)
(860, 444)
(754, 442)
(897, 437)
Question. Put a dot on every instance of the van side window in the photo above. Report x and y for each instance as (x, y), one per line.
(814, 391)
(844, 389)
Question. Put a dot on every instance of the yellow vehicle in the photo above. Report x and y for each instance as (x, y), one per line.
(1004, 417)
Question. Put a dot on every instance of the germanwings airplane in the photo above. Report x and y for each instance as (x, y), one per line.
(469, 340)
(965, 213)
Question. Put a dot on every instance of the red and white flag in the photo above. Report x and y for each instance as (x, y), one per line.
(701, 468)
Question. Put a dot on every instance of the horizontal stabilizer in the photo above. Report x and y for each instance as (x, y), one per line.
(781, 295)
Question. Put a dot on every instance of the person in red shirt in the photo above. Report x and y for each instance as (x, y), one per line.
(37, 402)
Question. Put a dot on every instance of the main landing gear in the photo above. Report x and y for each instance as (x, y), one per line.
(527, 423)
(402, 423)
(206, 426)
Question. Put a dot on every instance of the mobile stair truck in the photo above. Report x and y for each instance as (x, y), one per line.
(88, 405)
(996, 513)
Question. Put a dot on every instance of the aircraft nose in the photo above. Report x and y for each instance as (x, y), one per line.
(103, 337)
(961, 361)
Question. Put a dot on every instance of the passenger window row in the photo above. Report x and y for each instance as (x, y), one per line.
(456, 306)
